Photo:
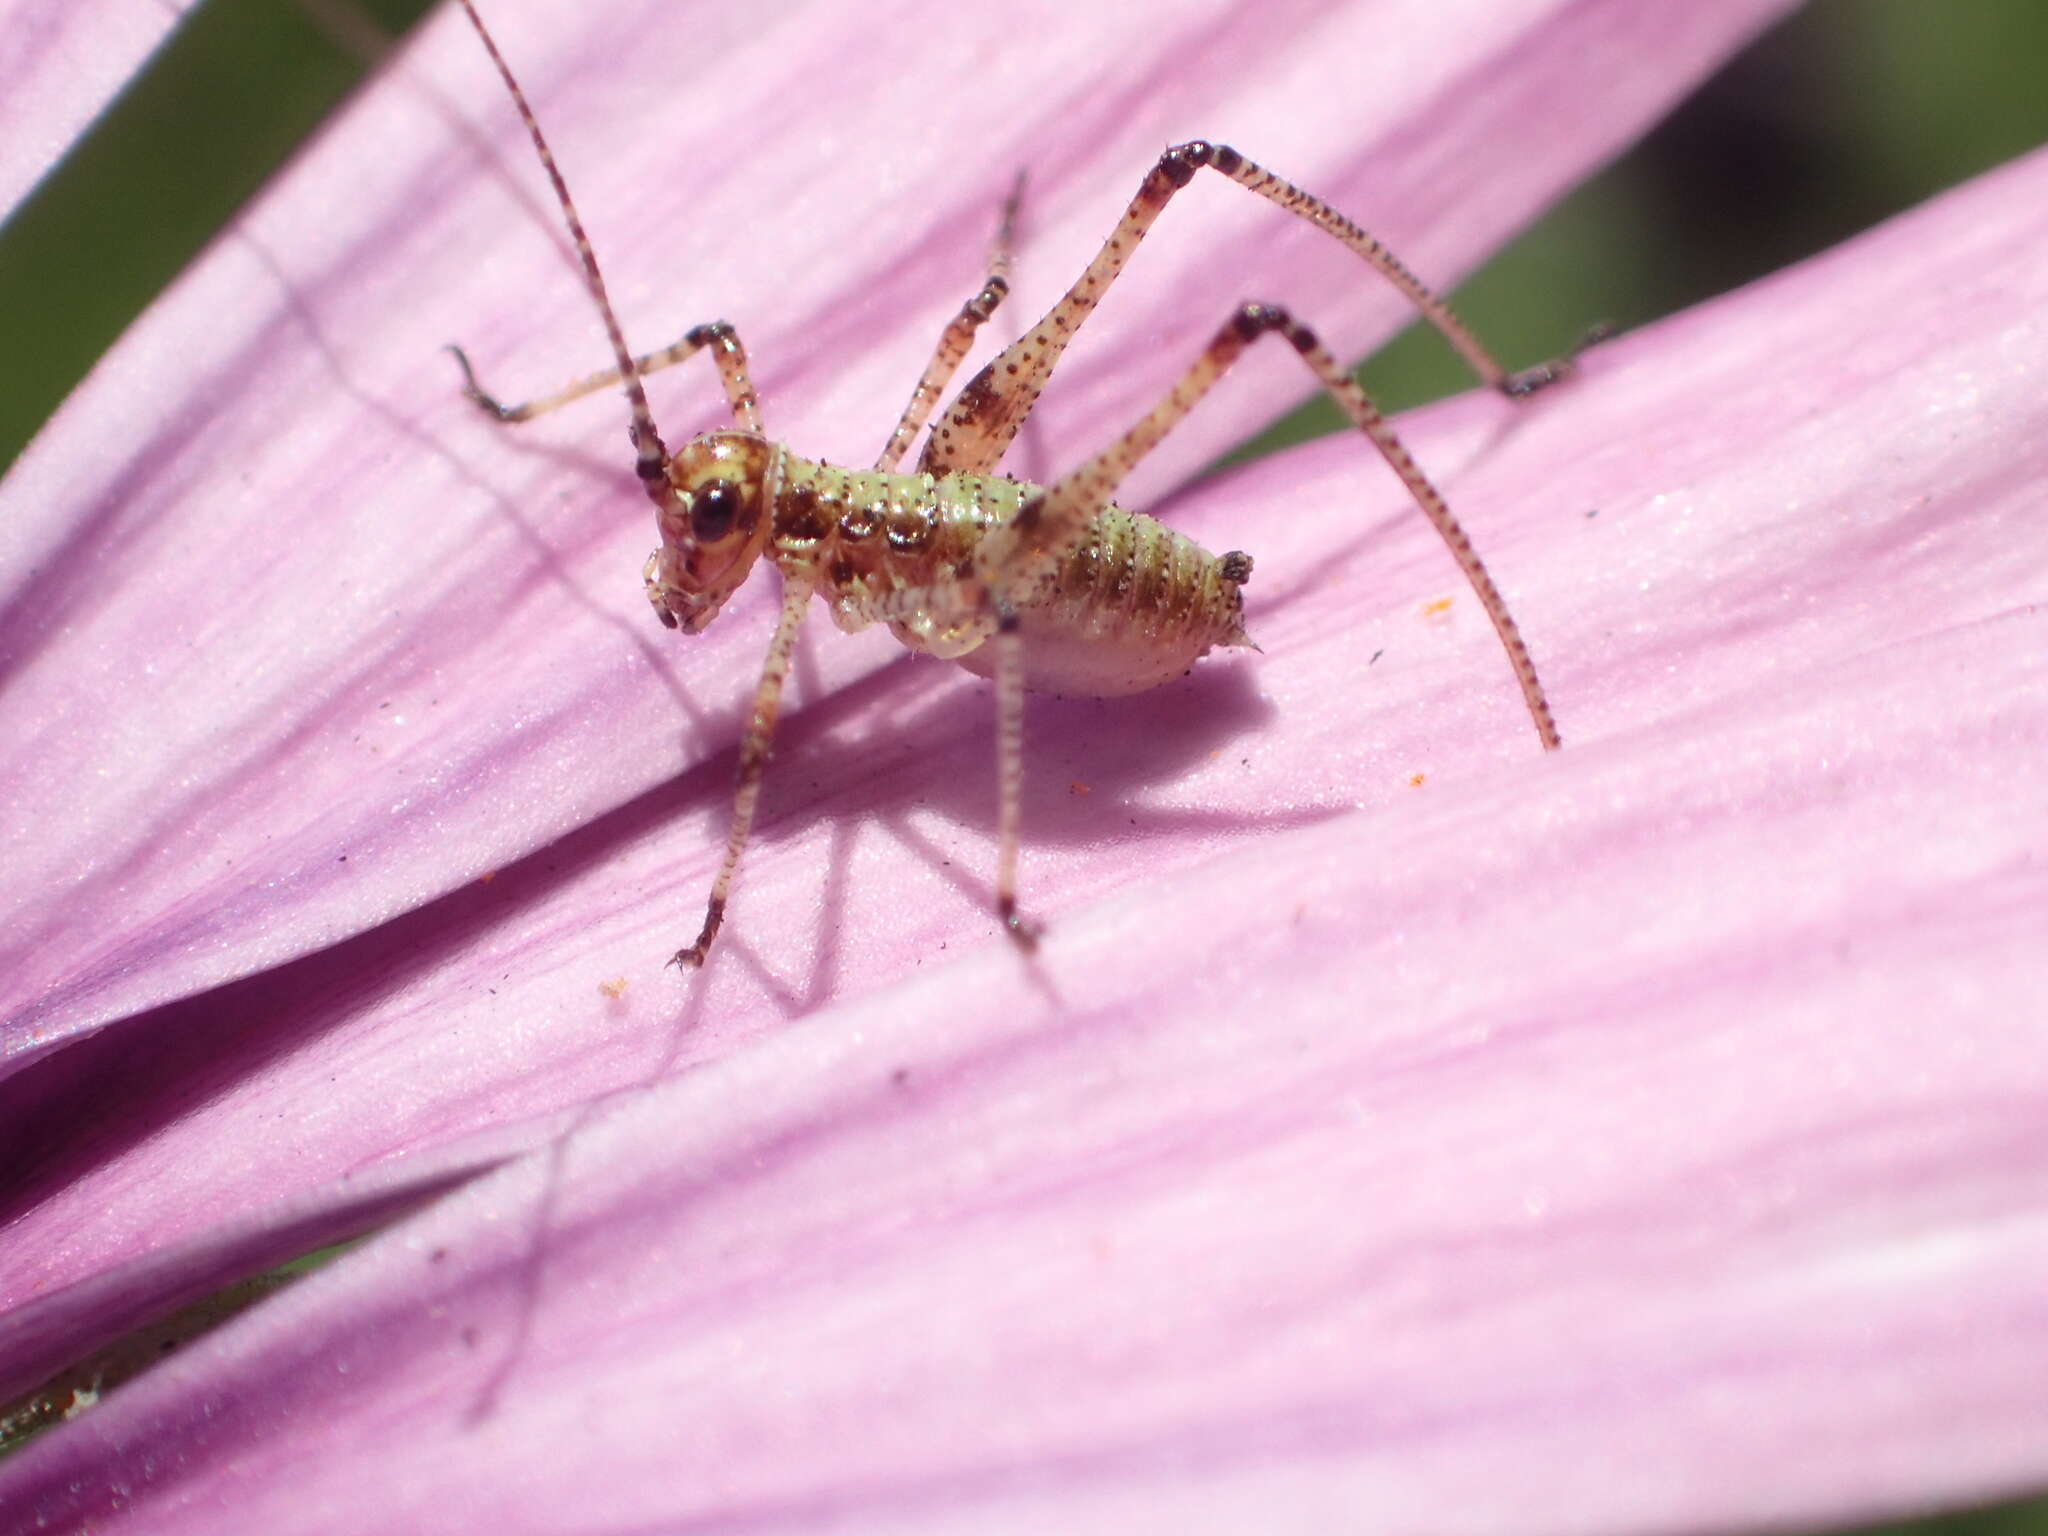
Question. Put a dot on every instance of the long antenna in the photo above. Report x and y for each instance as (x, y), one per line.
(650, 454)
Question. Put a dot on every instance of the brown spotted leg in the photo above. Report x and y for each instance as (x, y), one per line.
(966, 614)
(1016, 557)
(958, 335)
(797, 587)
(985, 417)
(1009, 644)
(727, 352)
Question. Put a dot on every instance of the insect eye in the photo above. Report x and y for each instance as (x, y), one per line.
(713, 511)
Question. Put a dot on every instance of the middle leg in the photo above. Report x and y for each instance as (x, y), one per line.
(960, 615)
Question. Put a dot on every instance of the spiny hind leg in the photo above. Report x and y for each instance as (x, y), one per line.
(721, 338)
(983, 420)
(958, 335)
(796, 596)
(1015, 558)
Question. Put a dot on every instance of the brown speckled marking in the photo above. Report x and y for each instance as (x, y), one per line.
(859, 524)
(1050, 587)
(800, 520)
(909, 531)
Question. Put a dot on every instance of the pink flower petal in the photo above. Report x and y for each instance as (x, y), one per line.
(1644, 1137)
(199, 1112)
(59, 66)
(297, 643)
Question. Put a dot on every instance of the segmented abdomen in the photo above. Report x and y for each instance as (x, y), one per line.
(1134, 605)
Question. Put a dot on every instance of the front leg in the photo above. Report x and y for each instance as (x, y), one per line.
(727, 352)
(797, 587)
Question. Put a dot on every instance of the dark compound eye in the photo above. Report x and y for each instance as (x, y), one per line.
(713, 511)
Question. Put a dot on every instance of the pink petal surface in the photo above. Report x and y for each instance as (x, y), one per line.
(272, 683)
(1645, 1137)
(296, 643)
(59, 67)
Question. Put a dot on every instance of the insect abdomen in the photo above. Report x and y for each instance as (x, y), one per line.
(1133, 605)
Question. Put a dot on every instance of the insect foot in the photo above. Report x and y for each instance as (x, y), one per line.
(1519, 386)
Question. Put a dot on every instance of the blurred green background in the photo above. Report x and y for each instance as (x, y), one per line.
(1849, 112)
